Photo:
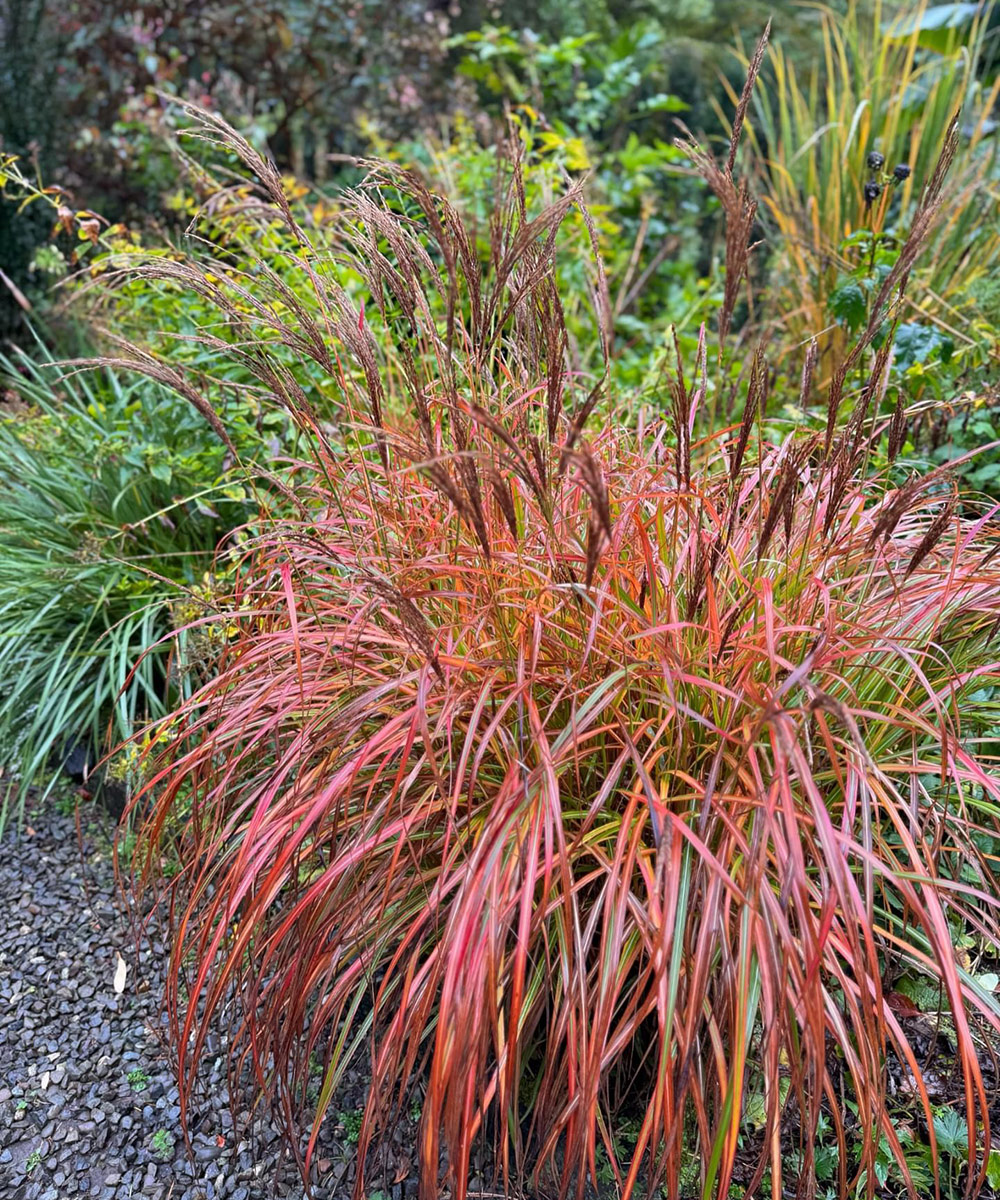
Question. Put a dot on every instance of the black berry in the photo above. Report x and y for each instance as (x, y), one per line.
(872, 192)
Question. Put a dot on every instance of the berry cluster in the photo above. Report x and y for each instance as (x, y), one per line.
(880, 178)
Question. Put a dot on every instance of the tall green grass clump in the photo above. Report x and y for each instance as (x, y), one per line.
(885, 89)
(114, 494)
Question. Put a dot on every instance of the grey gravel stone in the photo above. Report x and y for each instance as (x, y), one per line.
(68, 1043)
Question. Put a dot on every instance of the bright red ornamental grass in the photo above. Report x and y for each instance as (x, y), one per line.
(572, 779)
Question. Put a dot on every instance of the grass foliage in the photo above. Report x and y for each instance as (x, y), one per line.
(114, 494)
(577, 769)
(877, 88)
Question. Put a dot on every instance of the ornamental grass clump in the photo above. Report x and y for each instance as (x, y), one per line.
(883, 92)
(570, 771)
(113, 496)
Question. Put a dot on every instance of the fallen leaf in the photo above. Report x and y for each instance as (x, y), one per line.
(902, 1005)
(121, 970)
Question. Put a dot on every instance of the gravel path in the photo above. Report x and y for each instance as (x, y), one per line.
(88, 1103)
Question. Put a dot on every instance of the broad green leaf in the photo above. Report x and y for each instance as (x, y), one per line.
(848, 304)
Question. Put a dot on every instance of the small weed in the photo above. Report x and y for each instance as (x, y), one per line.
(605, 1171)
(315, 1076)
(162, 1145)
(34, 1158)
(64, 801)
(416, 1108)
(351, 1124)
(21, 1107)
(126, 845)
(138, 1079)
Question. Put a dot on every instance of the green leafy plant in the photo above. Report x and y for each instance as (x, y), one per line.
(878, 90)
(578, 769)
(138, 1079)
(65, 800)
(968, 430)
(32, 1161)
(162, 1145)
(113, 499)
(585, 83)
(351, 1123)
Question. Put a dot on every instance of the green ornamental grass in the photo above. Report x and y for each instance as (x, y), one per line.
(113, 496)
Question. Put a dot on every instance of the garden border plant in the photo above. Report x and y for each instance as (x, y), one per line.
(116, 493)
(576, 770)
(812, 141)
